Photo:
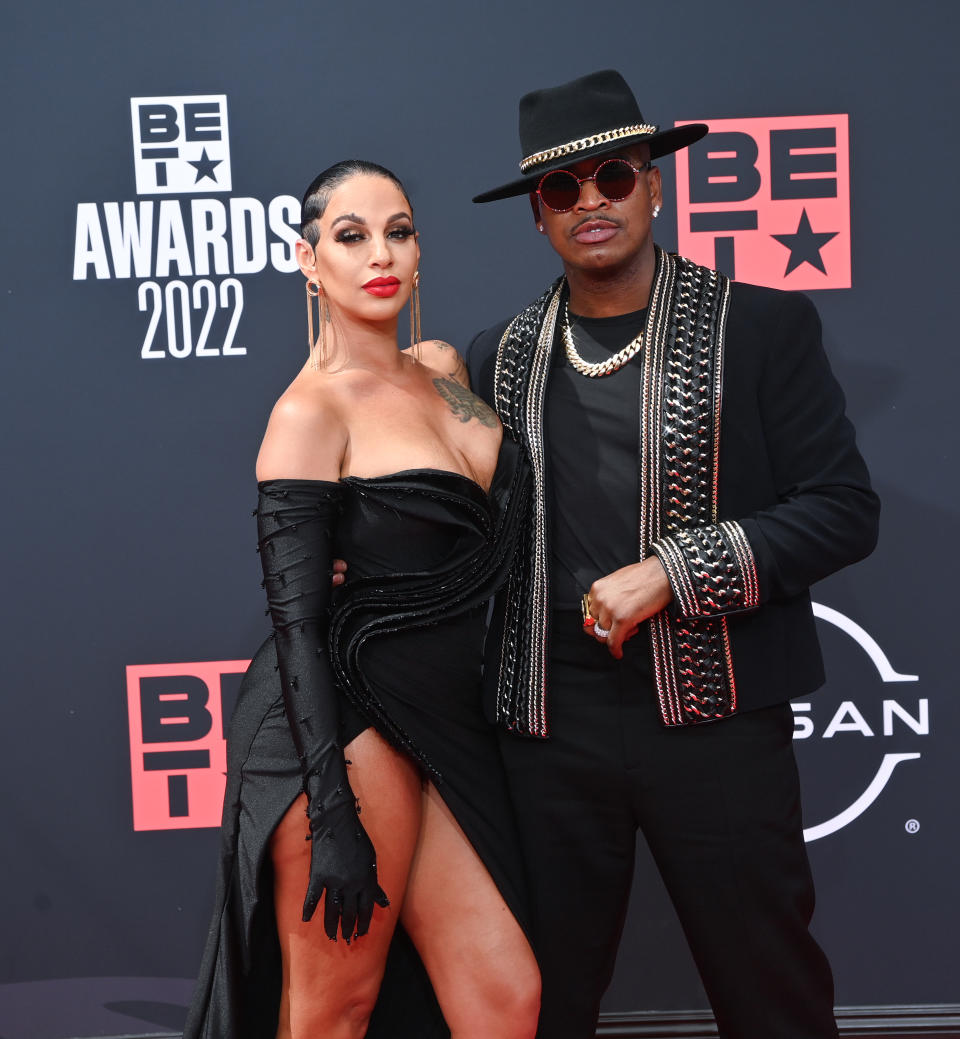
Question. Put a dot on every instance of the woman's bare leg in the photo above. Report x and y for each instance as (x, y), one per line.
(479, 961)
(330, 988)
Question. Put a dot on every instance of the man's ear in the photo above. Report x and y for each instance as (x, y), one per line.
(535, 206)
(656, 186)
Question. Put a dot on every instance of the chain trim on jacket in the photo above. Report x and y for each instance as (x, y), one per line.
(710, 564)
(520, 379)
(711, 570)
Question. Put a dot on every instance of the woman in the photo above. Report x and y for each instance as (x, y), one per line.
(388, 461)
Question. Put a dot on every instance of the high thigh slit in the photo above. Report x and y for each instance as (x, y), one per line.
(425, 550)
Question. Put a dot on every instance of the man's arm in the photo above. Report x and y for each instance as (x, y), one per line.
(825, 516)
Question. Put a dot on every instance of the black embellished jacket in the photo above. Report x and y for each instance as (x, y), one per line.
(752, 489)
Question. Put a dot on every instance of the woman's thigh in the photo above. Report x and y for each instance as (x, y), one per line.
(478, 958)
(325, 979)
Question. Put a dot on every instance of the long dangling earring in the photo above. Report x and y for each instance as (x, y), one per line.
(415, 316)
(323, 311)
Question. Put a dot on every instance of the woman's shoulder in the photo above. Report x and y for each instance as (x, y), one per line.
(442, 357)
(313, 401)
(306, 435)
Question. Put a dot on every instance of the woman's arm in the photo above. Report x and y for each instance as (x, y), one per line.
(297, 513)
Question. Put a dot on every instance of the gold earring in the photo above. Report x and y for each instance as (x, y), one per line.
(317, 362)
(415, 316)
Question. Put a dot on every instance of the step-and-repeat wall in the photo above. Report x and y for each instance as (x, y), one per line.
(152, 313)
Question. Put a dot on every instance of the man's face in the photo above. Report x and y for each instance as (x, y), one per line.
(596, 233)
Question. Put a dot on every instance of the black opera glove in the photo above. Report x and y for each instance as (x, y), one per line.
(342, 860)
(295, 523)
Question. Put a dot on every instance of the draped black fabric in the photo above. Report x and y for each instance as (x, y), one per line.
(425, 550)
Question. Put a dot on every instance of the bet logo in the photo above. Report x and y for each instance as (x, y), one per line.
(767, 201)
(178, 754)
(181, 145)
(185, 253)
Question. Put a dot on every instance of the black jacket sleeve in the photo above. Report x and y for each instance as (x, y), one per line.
(823, 514)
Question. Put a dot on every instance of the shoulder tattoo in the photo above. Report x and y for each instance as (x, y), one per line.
(459, 369)
(464, 404)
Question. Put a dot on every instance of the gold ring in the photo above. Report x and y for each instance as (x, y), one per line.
(585, 608)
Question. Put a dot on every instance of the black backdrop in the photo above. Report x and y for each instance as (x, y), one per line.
(126, 530)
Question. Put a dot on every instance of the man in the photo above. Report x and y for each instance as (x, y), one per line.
(694, 473)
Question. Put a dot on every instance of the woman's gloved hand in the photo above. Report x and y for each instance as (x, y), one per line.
(342, 860)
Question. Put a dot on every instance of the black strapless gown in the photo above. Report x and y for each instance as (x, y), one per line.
(426, 549)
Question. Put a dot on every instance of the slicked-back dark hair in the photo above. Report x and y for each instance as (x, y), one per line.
(316, 197)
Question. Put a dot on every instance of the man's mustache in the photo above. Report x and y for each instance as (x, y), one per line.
(595, 219)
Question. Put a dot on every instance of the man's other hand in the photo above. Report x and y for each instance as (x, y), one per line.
(623, 600)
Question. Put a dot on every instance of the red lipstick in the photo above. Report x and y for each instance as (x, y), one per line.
(383, 287)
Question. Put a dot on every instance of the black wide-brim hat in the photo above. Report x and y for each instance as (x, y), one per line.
(585, 117)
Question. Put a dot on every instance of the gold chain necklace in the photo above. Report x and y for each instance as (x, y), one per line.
(607, 367)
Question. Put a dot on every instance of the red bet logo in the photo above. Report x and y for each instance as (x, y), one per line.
(767, 200)
(178, 754)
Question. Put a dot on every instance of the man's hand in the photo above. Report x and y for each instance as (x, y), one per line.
(339, 569)
(621, 601)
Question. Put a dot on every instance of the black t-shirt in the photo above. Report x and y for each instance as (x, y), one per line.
(592, 431)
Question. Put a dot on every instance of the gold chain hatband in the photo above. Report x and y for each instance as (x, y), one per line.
(638, 130)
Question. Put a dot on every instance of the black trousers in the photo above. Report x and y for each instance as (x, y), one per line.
(719, 806)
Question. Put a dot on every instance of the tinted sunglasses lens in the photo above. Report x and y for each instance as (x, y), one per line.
(615, 179)
(559, 190)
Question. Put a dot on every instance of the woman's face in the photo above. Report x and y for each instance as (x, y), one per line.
(367, 253)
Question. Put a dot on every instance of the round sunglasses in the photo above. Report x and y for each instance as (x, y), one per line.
(615, 179)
